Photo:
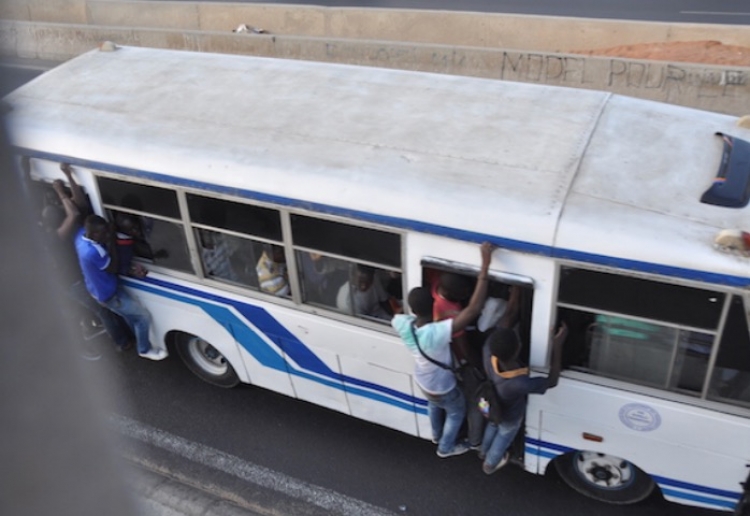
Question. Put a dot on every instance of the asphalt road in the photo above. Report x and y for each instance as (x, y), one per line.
(730, 12)
(255, 428)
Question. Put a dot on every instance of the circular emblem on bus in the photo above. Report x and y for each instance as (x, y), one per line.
(640, 417)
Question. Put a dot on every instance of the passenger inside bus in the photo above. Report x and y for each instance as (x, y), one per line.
(501, 309)
(272, 271)
(315, 270)
(126, 227)
(451, 292)
(159, 241)
(364, 294)
(216, 255)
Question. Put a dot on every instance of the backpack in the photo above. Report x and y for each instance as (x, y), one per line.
(487, 401)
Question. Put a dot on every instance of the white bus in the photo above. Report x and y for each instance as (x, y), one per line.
(606, 210)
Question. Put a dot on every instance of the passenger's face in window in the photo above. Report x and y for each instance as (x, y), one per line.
(277, 254)
(207, 239)
(129, 226)
(363, 281)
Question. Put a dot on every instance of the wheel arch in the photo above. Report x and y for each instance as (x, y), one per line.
(229, 350)
(580, 469)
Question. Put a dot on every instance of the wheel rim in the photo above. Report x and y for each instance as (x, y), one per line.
(205, 356)
(604, 471)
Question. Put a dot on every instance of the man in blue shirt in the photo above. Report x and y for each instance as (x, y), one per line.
(97, 254)
(446, 404)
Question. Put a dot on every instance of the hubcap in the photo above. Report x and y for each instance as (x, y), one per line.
(604, 471)
(207, 357)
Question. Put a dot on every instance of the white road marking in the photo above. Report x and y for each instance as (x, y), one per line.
(715, 13)
(335, 503)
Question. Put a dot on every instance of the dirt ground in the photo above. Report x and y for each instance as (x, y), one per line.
(708, 52)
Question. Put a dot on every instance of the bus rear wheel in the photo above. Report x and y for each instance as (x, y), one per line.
(205, 361)
(604, 477)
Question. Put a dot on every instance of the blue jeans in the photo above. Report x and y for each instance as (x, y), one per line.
(134, 314)
(447, 413)
(497, 439)
(115, 326)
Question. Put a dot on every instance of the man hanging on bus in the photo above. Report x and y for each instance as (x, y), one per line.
(513, 384)
(60, 223)
(446, 404)
(97, 254)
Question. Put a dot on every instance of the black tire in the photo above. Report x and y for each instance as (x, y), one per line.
(743, 506)
(205, 361)
(604, 477)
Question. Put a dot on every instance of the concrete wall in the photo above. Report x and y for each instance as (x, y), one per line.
(483, 45)
(537, 33)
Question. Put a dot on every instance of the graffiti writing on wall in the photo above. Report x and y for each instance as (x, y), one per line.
(623, 74)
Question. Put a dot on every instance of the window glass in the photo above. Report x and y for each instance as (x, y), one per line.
(242, 218)
(645, 353)
(149, 199)
(351, 241)
(240, 259)
(342, 282)
(229, 258)
(272, 271)
(730, 379)
(350, 288)
(642, 298)
(158, 241)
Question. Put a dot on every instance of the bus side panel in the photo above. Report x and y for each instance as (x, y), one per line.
(224, 322)
(170, 313)
(317, 381)
(390, 408)
(358, 371)
(424, 427)
(696, 456)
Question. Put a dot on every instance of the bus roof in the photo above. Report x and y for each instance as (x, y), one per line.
(568, 172)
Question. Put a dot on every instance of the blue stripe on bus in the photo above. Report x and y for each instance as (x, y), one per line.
(360, 392)
(551, 446)
(284, 339)
(533, 450)
(726, 504)
(291, 345)
(436, 229)
(269, 358)
(668, 486)
(695, 487)
(249, 340)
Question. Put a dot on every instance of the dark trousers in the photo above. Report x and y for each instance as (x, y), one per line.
(116, 327)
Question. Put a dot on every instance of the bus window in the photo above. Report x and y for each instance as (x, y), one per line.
(160, 237)
(506, 306)
(237, 243)
(365, 293)
(228, 258)
(641, 331)
(680, 305)
(350, 269)
(730, 378)
(263, 223)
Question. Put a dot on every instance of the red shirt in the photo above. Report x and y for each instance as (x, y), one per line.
(443, 308)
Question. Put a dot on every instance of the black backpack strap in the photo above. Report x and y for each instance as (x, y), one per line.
(436, 362)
